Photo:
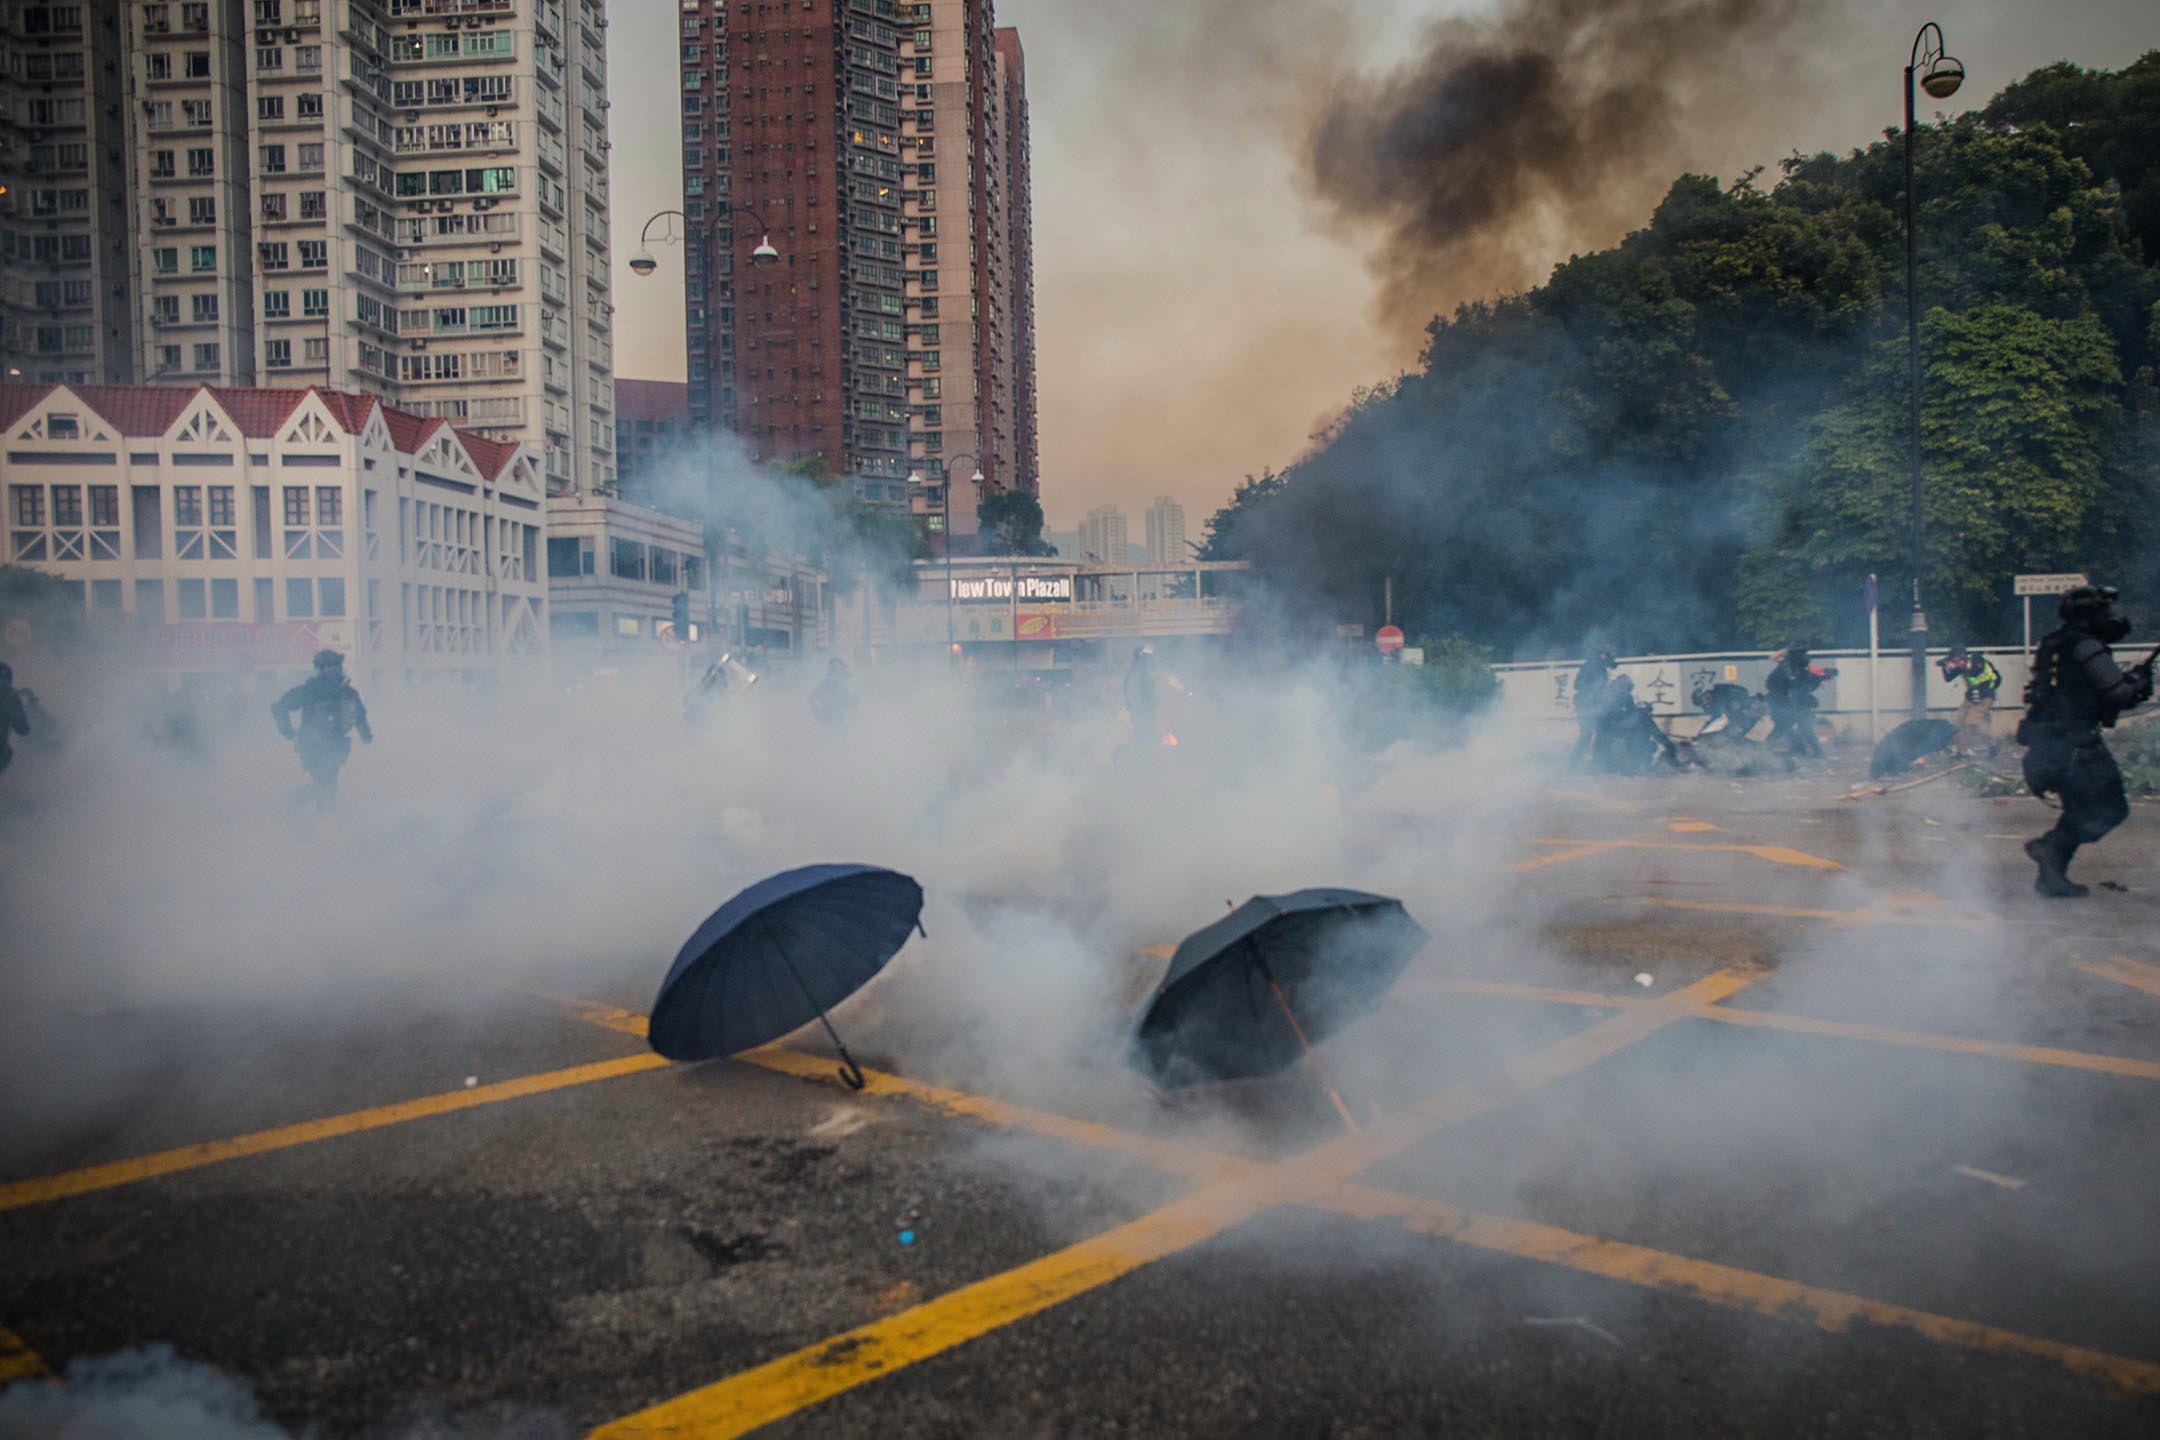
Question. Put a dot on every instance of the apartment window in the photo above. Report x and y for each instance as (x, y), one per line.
(187, 508)
(269, 57)
(270, 107)
(192, 603)
(224, 599)
(198, 61)
(269, 12)
(332, 596)
(167, 359)
(296, 505)
(165, 260)
(195, 15)
(307, 59)
(104, 505)
(310, 106)
(277, 304)
(202, 209)
(159, 113)
(164, 310)
(29, 505)
(316, 351)
(206, 357)
(311, 157)
(161, 164)
(204, 308)
(311, 205)
(300, 599)
(196, 114)
(277, 354)
(314, 254)
(202, 259)
(273, 159)
(315, 303)
(158, 66)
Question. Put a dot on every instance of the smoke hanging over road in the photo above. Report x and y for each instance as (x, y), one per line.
(1514, 138)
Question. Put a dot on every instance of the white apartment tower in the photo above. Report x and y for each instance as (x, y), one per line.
(1103, 537)
(64, 243)
(407, 197)
(1166, 532)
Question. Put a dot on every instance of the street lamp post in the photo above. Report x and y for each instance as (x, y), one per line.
(642, 265)
(952, 639)
(1941, 78)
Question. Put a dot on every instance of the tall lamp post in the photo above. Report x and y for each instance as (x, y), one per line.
(952, 639)
(1940, 74)
(642, 265)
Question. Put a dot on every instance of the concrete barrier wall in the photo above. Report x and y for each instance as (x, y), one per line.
(1545, 690)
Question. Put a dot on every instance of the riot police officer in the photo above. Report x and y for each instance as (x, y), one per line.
(14, 714)
(2077, 690)
(329, 710)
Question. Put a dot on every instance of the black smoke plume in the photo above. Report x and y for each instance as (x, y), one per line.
(1516, 137)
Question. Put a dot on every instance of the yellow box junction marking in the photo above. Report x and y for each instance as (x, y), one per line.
(1775, 854)
(18, 1361)
(781, 1387)
(796, 1381)
(16, 1194)
(1807, 1025)
(2124, 971)
(1779, 1299)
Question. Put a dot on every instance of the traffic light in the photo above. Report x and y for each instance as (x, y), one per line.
(682, 614)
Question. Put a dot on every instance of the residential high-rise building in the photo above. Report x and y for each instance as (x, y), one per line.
(652, 423)
(964, 129)
(407, 196)
(1104, 537)
(1020, 213)
(895, 330)
(1166, 532)
(791, 130)
(64, 242)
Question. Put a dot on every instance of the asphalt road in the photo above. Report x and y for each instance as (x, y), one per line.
(1765, 1111)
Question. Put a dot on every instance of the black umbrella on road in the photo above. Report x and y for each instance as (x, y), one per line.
(779, 954)
(1252, 993)
(1909, 744)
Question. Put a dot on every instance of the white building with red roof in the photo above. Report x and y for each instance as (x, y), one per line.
(250, 527)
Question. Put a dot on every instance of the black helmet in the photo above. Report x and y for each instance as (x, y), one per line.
(328, 660)
(2091, 608)
(1959, 652)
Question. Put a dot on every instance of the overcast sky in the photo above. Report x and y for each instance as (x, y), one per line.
(1201, 311)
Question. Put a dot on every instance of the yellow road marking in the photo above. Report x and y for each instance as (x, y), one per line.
(2124, 971)
(1776, 854)
(1806, 1025)
(1560, 857)
(1868, 916)
(18, 1361)
(793, 1382)
(19, 1193)
(1691, 827)
(1834, 1311)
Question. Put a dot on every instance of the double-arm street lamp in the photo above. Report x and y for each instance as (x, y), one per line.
(952, 641)
(1940, 74)
(642, 264)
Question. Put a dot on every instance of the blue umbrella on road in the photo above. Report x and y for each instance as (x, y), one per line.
(1251, 994)
(782, 952)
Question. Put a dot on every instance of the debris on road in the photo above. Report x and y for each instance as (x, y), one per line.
(1575, 1322)
(2007, 1182)
(1645, 980)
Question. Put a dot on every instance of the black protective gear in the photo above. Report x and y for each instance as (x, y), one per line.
(14, 715)
(2076, 690)
(326, 660)
(1791, 689)
(2092, 609)
(1593, 680)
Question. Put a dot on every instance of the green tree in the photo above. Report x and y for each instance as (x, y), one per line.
(1010, 522)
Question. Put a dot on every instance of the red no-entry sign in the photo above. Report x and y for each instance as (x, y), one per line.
(1389, 638)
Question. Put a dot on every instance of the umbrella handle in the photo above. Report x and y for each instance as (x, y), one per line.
(851, 1074)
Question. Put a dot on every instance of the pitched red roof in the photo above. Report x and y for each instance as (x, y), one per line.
(260, 414)
(148, 411)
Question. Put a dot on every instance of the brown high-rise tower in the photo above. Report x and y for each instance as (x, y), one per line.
(791, 113)
(883, 146)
